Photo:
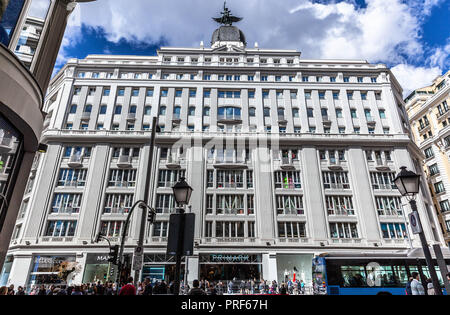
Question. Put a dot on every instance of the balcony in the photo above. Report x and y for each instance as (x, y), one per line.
(390, 213)
(334, 164)
(232, 240)
(122, 184)
(75, 161)
(229, 119)
(282, 120)
(370, 121)
(85, 116)
(287, 164)
(124, 161)
(326, 120)
(173, 163)
(229, 163)
(230, 211)
(65, 210)
(381, 165)
(116, 210)
(341, 212)
(338, 186)
(291, 212)
(296, 240)
(6, 145)
(131, 116)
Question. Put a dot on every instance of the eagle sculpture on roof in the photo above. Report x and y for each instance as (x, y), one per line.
(227, 18)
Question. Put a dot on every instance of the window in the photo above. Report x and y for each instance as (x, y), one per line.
(118, 110)
(251, 94)
(168, 178)
(106, 92)
(350, 95)
(290, 205)
(310, 112)
(292, 230)
(100, 126)
(121, 92)
(357, 130)
(394, 230)
(164, 93)
(252, 112)
(295, 112)
(445, 206)
(61, 228)
(229, 113)
(364, 96)
(206, 111)
(132, 109)
(191, 111)
(340, 205)
(339, 113)
(308, 95)
(288, 180)
(332, 79)
(360, 80)
(335, 95)
(429, 152)
(147, 110)
(293, 95)
(278, 78)
(434, 169)
(343, 230)
(162, 110)
(312, 129)
(378, 96)
(122, 178)
(76, 91)
(103, 109)
(230, 179)
(297, 129)
(266, 112)
(346, 79)
(353, 113)
(161, 229)
(264, 78)
(251, 78)
(230, 204)
(321, 95)
(135, 92)
(66, 203)
(373, 80)
(207, 93)
(265, 94)
(73, 109)
(230, 229)
(192, 93)
(207, 77)
(118, 203)
(439, 188)
(335, 180)
(382, 114)
(389, 206)
(341, 130)
(112, 228)
(149, 93)
(165, 203)
(382, 180)
(305, 79)
(84, 126)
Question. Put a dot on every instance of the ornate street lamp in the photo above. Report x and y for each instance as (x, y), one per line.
(182, 192)
(408, 184)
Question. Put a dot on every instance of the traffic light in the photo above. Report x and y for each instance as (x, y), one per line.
(151, 216)
(113, 254)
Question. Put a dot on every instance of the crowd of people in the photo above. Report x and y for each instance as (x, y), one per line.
(203, 287)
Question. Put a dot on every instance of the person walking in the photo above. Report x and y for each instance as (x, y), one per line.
(129, 288)
(20, 291)
(416, 286)
(408, 290)
(147, 287)
(196, 290)
(430, 287)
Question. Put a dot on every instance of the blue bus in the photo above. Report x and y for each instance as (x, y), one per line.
(370, 276)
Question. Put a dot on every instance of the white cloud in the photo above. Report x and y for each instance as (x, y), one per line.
(441, 56)
(412, 78)
(385, 31)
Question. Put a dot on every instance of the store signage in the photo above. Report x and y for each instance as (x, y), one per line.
(230, 258)
(97, 259)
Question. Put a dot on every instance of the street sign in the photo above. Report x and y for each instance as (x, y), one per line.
(414, 221)
(188, 236)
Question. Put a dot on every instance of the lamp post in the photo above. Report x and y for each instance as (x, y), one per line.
(182, 192)
(408, 183)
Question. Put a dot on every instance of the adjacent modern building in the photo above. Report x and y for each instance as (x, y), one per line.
(290, 159)
(30, 36)
(429, 114)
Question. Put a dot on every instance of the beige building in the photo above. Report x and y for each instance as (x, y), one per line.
(429, 114)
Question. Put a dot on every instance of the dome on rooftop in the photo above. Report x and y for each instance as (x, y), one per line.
(228, 33)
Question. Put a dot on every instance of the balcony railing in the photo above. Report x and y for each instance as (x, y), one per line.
(341, 212)
(116, 210)
(291, 211)
(230, 211)
(66, 210)
(230, 185)
(121, 184)
(71, 183)
(85, 115)
(124, 161)
(397, 212)
(75, 161)
(336, 186)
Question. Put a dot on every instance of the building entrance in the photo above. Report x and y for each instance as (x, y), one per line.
(226, 267)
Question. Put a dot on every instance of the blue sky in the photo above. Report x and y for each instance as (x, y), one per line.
(410, 36)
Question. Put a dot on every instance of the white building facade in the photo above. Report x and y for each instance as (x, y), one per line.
(289, 159)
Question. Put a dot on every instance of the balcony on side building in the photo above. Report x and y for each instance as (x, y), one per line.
(124, 161)
(75, 161)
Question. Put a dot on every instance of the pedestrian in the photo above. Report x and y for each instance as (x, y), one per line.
(4, 290)
(147, 287)
(129, 288)
(416, 286)
(408, 290)
(430, 287)
(77, 290)
(196, 290)
(20, 291)
(11, 290)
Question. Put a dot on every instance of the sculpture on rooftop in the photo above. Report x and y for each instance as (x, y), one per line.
(227, 18)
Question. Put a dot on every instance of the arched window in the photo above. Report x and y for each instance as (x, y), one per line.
(73, 109)
(176, 112)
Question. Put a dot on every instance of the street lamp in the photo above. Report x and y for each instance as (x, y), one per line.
(408, 183)
(182, 193)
